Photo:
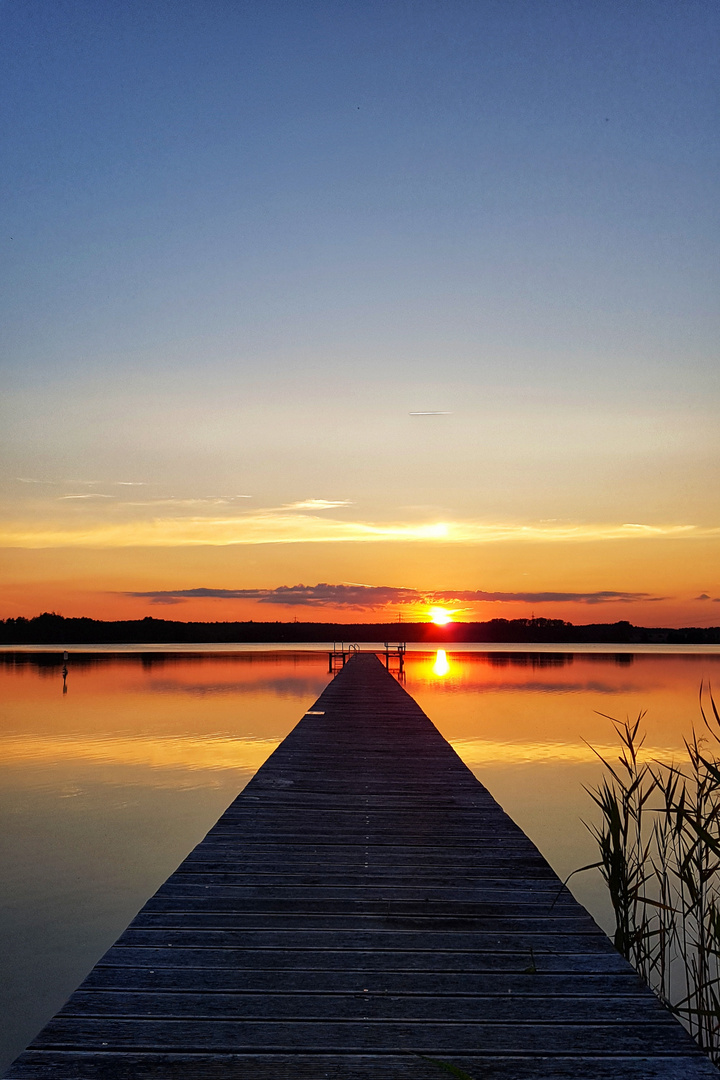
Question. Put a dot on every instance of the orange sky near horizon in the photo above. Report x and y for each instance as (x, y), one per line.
(345, 311)
(100, 583)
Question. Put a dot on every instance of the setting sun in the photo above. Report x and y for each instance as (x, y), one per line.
(440, 616)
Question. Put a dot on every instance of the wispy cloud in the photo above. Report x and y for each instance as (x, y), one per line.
(270, 527)
(90, 495)
(603, 596)
(32, 480)
(167, 599)
(297, 523)
(178, 504)
(318, 504)
(364, 597)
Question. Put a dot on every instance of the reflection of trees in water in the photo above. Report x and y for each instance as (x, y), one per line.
(297, 682)
(621, 659)
(286, 686)
(555, 660)
(53, 661)
(533, 660)
(582, 686)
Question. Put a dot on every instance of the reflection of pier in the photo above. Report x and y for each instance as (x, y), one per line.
(363, 906)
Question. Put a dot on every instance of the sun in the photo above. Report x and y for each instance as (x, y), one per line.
(440, 616)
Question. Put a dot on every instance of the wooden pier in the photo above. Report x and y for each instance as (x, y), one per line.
(362, 907)
(395, 651)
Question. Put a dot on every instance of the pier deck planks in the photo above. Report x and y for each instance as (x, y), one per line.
(363, 906)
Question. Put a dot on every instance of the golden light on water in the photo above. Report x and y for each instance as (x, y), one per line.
(441, 666)
(155, 752)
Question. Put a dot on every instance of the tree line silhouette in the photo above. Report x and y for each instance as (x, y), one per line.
(53, 629)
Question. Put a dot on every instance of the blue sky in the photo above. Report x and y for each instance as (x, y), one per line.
(242, 242)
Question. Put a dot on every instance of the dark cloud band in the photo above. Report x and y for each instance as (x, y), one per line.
(374, 596)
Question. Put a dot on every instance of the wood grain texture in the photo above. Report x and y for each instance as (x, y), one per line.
(364, 906)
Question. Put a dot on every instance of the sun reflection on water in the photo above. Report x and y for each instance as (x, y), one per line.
(441, 667)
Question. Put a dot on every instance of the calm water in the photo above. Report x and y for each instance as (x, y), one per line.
(106, 787)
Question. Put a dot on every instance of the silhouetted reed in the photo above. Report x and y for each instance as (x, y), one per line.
(659, 843)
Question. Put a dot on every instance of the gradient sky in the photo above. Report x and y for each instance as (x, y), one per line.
(243, 243)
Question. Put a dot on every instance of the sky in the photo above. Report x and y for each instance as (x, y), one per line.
(343, 309)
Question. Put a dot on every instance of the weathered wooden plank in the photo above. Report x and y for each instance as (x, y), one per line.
(280, 798)
(489, 823)
(374, 940)
(362, 903)
(369, 837)
(363, 849)
(351, 980)
(294, 835)
(424, 1036)
(272, 889)
(103, 1065)
(497, 890)
(291, 922)
(411, 816)
(466, 879)
(280, 959)
(494, 869)
(306, 863)
(449, 855)
(360, 1005)
(544, 906)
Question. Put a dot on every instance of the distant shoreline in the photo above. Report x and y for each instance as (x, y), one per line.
(51, 629)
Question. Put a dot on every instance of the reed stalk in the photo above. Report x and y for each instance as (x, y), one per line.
(659, 848)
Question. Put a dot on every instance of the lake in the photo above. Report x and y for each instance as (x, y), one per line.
(111, 776)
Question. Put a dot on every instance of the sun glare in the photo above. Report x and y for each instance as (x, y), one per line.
(441, 666)
(440, 616)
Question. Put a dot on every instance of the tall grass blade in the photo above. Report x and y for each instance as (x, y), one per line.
(659, 846)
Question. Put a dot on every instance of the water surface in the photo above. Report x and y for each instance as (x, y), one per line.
(111, 776)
